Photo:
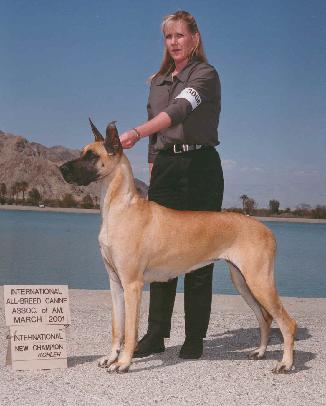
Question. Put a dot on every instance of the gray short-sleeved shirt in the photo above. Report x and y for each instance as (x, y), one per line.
(193, 102)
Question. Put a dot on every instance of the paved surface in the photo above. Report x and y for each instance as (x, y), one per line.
(223, 376)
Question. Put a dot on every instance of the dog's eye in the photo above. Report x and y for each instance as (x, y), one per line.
(90, 156)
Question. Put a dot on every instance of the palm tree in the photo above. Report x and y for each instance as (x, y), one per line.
(3, 192)
(23, 187)
(34, 196)
(3, 189)
(274, 206)
(15, 190)
(250, 205)
(244, 198)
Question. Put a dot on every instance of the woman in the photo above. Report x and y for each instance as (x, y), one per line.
(186, 174)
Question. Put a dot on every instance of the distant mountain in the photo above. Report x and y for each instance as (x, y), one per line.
(21, 160)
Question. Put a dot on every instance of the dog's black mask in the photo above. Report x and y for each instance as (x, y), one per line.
(81, 171)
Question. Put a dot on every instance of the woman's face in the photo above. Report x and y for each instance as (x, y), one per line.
(179, 41)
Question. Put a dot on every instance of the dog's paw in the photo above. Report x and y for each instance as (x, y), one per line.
(282, 368)
(119, 367)
(105, 362)
(257, 354)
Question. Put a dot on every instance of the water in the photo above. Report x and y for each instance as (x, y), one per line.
(62, 248)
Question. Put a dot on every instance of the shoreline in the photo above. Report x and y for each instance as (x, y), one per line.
(50, 209)
(97, 211)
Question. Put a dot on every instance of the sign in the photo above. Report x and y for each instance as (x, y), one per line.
(37, 315)
(36, 304)
(37, 347)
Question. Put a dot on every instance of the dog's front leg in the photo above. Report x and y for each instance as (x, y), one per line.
(132, 294)
(118, 317)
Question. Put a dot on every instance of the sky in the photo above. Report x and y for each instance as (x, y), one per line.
(65, 60)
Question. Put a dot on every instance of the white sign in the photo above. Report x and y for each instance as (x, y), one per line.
(36, 304)
(37, 347)
(34, 314)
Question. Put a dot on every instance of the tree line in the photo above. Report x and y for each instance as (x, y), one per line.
(19, 193)
(249, 207)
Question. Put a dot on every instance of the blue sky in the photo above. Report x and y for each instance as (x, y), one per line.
(62, 61)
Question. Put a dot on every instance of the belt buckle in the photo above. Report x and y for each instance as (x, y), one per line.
(175, 150)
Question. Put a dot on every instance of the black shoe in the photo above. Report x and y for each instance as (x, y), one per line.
(149, 344)
(192, 348)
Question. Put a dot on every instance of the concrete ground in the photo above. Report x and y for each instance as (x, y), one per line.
(223, 376)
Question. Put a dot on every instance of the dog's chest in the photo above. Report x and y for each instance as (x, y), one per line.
(103, 237)
(109, 244)
(107, 232)
(105, 240)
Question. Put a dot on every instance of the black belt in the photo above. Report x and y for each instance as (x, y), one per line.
(180, 148)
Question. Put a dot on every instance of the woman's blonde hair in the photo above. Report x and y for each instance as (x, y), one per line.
(167, 64)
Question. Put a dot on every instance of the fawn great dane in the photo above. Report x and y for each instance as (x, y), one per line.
(141, 241)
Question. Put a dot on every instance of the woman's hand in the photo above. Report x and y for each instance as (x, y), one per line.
(160, 122)
(128, 139)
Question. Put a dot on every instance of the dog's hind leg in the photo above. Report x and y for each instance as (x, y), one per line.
(118, 316)
(262, 285)
(263, 317)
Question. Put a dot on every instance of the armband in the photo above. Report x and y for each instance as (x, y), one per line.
(191, 95)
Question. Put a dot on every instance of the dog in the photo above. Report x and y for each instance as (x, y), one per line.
(141, 241)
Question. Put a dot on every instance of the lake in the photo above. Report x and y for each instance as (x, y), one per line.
(61, 248)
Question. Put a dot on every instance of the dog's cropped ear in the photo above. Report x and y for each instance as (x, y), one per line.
(98, 136)
(112, 141)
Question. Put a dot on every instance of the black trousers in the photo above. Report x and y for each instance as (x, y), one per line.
(188, 181)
